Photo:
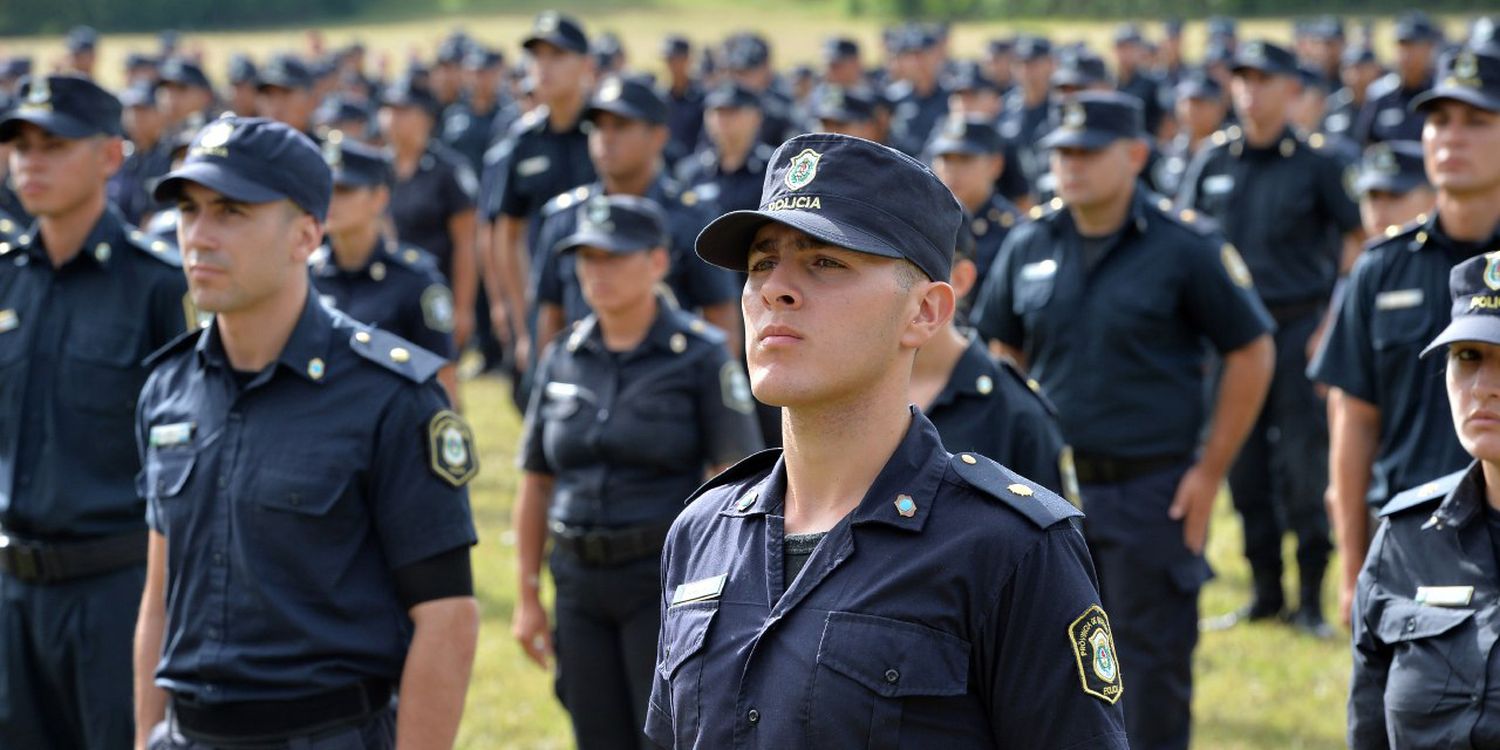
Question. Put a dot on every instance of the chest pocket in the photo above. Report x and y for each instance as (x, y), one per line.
(870, 667)
(1400, 327)
(295, 511)
(1429, 661)
(1034, 284)
(561, 401)
(665, 407)
(166, 472)
(102, 372)
(683, 635)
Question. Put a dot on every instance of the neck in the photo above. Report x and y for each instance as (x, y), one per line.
(973, 203)
(733, 155)
(64, 233)
(1035, 97)
(1100, 219)
(624, 329)
(1491, 472)
(352, 248)
(254, 337)
(825, 479)
(1261, 135)
(1469, 218)
(632, 184)
(407, 152)
(481, 99)
(936, 360)
(562, 113)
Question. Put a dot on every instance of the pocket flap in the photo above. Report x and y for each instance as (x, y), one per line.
(166, 471)
(1406, 620)
(312, 493)
(683, 632)
(894, 658)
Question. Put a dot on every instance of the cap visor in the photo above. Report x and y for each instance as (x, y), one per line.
(725, 242)
(608, 242)
(214, 177)
(60, 125)
(355, 180)
(1481, 328)
(1091, 140)
(557, 40)
(945, 146)
(1267, 68)
(1457, 93)
(1386, 184)
(617, 107)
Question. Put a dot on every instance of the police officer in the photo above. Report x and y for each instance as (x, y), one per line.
(684, 96)
(1307, 114)
(1024, 120)
(147, 155)
(184, 93)
(1387, 409)
(284, 92)
(545, 154)
(84, 297)
(748, 58)
(308, 560)
(836, 109)
(1199, 108)
(1392, 187)
(919, 99)
(1133, 75)
(394, 286)
(243, 84)
(626, 140)
(82, 44)
(1286, 205)
(1107, 300)
(475, 122)
(627, 414)
(731, 169)
(432, 200)
(1424, 626)
(1387, 114)
(968, 155)
(1359, 69)
(823, 577)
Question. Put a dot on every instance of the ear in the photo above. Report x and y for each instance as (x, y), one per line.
(1138, 152)
(661, 262)
(935, 303)
(965, 276)
(113, 151)
(307, 234)
(382, 199)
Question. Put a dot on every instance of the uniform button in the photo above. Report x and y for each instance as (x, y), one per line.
(603, 415)
(753, 716)
(1411, 625)
(223, 482)
(213, 632)
(218, 558)
(892, 676)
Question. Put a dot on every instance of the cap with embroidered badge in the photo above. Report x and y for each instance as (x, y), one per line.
(617, 224)
(1033, 48)
(1475, 288)
(558, 30)
(966, 135)
(1265, 57)
(253, 160)
(1469, 75)
(357, 165)
(837, 48)
(838, 104)
(1391, 167)
(627, 97)
(746, 52)
(1092, 120)
(63, 105)
(285, 72)
(181, 72)
(847, 192)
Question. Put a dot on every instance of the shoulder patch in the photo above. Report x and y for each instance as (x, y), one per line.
(752, 465)
(437, 308)
(161, 250)
(1094, 649)
(1031, 500)
(450, 448)
(1426, 494)
(396, 354)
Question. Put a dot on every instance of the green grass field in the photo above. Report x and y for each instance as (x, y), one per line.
(1260, 687)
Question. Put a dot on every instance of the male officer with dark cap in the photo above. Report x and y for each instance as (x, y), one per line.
(1387, 114)
(545, 154)
(919, 99)
(684, 98)
(1359, 69)
(626, 139)
(147, 153)
(473, 124)
(1199, 109)
(1286, 205)
(836, 109)
(243, 83)
(1107, 300)
(309, 561)
(820, 576)
(968, 156)
(1388, 412)
(748, 57)
(1392, 187)
(842, 65)
(84, 297)
(395, 286)
(82, 44)
(1027, 108)
(730, 170)
(284, 89)
(1133, 75)
(184, 93)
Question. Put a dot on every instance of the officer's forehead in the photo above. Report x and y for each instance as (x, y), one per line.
(773, 237)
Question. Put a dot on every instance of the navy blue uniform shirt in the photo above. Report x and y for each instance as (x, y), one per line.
(533, 164)
(630, 435)
(129, 188)
(684, 121)
(287, 503)
(1286, 207)
(913, 116)
(695, 284)
(731, 191)
(442, 187)
(72, 340)
(991, 224)
(1396, 302)
(470, 133)
(399, 289)
(1122, 344)
(882, 640)
(1426, 619)
(1387, 114)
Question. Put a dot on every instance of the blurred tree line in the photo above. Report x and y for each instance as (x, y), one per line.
(57, 16)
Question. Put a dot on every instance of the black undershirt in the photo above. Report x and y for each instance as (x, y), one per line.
(795, 549)
(1094, 248)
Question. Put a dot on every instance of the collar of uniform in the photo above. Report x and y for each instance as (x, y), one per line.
(1463, 502)
(1431, 233)
(308, 342)
(1136, 218)
(588, 335)
(1277, 147)
(328, 265)
(101, 245)
(972, 368)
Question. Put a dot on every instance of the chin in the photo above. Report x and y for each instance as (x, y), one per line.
(1483, 446)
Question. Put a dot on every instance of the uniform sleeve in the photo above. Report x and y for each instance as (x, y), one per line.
(153, 513)
(726, 410)
(994, 315)
(1033, 678)
(659, 708)
(424, 456)
(510, 201)
(549, 287)
(1347, 358)
(459, 189)
(433, 319)
(1333, 192)
(496, 182)
(1364, 122)
(1219, 298)
(1372, 659)
(532, 456)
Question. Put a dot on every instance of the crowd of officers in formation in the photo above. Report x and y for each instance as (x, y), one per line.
(1170, 274)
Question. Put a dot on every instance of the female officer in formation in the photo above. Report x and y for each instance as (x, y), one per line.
(1425, 605)
(631, 411)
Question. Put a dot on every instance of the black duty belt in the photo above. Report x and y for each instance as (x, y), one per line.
(1291, 311)
(1107, 470)
(251, 723)
(606, 547)
(54, 562)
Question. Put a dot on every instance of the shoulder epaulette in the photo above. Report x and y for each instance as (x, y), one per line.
(161, 250)
(183, 341)
(1037, 503)
(1046, 210)
(752, 465)
(411, 256)
(396, 354)
(1012, 371)
(566, 200)
(1426, 494)
(700, 328)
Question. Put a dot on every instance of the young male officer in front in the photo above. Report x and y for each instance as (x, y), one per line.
(811, 596)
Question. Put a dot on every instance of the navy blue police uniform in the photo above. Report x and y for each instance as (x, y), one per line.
(294, 525)
(992, 220)
(441, 187)
(1177, 153)
(1387, 114)
(72, 536)
(703, 172)
(915, 114)
(1024, 125)
(1425, 606)
(873, 625)
(1343, 105)
(684, 106)
(626, 435)
(1287, 207)
(399, 287)
(129, 187)
(1113, 329)
(468, 130)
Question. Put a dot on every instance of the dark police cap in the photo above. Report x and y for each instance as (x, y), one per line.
(138, 94)
(731, 96)
(355, 164)
(1033, 47)
(630, 98)
(453, 50)
(839, 48)
(1222, 26)
(1265, 57)
(336, 110)
(1080, 69)
(1094, 119)
(966, 135)
(851, 193)
(1391, 167)
(1172, 28)
(558, 30)
(1312, 78)
(913, 38)
(1475, 287)
(838, 104)
(412, 93)
(242, 70)
(1199, 85)
(483, 58)
(676, 45)
(617, 224)
(136, 61)
(1468, 75)
(1358, 54)
(285, 72)
(1325, 27)
(1128, 33)
(1415, 26)
(1000, 46)
(253, 160)
(746, 52)
(971, 76)
(15, 67)
(82, 38)
(183, 72)
(65, 106)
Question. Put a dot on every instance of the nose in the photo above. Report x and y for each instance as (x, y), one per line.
(777, 288)
(193, 233)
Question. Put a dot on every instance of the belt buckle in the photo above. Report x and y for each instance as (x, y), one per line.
(594, 548)
(21, 559)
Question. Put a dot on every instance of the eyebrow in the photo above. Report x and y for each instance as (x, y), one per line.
(800, 242)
